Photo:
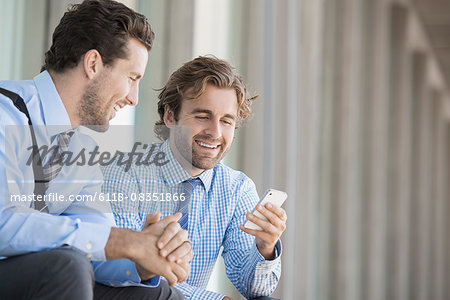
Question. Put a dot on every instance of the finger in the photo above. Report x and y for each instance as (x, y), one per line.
(151, 219)
(179, 253)
(280, 212)
(271, 217)
(170, 219)
(281, 216)
(264, 224)
(169, 232)
(187, 268)
(188, 256)
(175, 242)
(171, 277)
(180, 272)
(257, 233)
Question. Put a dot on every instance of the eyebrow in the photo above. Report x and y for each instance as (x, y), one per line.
(138, 76)
(207, 111)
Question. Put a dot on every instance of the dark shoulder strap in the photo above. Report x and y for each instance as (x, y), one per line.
(39, 183)
(18, 102)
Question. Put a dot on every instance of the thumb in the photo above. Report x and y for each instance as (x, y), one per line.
(170, 219)
(151, 219)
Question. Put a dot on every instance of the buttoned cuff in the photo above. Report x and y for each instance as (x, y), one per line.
(121, 273)
(91, 238)
(152, 282)
(263, 264)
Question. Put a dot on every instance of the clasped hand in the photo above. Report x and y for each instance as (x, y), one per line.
(168, 251)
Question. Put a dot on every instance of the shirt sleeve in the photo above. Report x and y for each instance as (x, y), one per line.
(24, 230)
(246, 268)
(196, 293)
(120, 273)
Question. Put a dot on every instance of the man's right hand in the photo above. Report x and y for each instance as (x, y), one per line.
(172, 237)
(173, 241)
(141, 247)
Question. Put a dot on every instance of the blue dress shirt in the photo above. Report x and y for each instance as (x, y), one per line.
(81, 224)
(218, 207)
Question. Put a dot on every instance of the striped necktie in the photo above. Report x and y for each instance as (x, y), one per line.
(54, 164)
(183, 206)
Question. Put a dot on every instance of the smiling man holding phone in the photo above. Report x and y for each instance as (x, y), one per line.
(200, 108)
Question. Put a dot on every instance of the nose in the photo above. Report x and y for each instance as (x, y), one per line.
(133, 96)
(214, 129)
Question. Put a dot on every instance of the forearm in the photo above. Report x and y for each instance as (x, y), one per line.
(48, 232)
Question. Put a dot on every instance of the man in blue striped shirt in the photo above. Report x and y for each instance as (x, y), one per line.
(200, 107)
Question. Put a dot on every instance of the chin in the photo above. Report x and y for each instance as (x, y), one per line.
(99, 128)
(205, 165)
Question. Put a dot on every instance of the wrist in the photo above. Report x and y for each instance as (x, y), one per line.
(268, 252)
(119, 244)
(143, 274)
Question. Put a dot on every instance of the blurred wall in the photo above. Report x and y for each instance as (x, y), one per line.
(353, 123)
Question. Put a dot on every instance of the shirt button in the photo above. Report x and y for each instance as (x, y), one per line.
(89, 255)
(88, 246)
(263, 265)
(128, 273)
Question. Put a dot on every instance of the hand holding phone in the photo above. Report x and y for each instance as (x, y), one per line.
(272, 196)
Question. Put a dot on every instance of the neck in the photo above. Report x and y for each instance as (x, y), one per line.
(69, 87)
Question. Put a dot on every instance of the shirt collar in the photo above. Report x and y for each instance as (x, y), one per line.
(56, 118)
(174, 173)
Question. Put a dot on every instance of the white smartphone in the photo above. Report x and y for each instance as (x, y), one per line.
(275, 197)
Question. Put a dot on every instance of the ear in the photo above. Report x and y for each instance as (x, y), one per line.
(169, 117)
(92, 63)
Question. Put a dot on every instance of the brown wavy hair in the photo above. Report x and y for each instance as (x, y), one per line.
(190, 81)
(104, 25)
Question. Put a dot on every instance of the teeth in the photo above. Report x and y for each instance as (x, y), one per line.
(116, 107)
(206, 145)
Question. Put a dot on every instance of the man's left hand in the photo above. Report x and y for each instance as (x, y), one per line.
(273, 227)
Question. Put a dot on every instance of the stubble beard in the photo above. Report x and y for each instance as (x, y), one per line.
(186, 148)
(91, 112)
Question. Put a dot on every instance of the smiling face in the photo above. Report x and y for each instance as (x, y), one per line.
(204, 129)
(115, 87)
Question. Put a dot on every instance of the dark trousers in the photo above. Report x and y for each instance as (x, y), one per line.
(65, 273)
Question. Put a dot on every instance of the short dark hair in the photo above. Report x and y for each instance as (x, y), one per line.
(104, 25)
(190, 81)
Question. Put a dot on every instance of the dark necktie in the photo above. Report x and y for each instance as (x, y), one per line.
(183, 206)
(54, 164)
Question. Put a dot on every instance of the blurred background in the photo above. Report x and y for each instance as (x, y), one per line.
(352, 121)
